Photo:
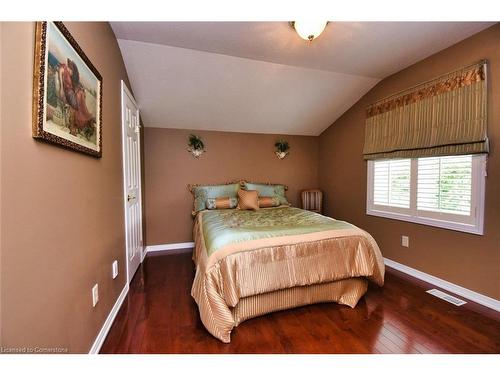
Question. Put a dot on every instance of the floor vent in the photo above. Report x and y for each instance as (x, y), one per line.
(454, 300)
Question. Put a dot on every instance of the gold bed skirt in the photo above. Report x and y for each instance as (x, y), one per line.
(346, 292)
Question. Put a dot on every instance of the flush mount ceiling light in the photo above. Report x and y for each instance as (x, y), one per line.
(309, 30)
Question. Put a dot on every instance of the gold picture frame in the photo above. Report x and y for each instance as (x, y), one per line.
(67, 92)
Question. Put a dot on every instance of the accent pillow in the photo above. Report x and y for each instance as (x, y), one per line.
(221, 203)
(268, 190)
(202, 192)
(248, 200)
(269, 202)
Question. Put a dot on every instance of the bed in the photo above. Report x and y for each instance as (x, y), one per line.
(250, 263)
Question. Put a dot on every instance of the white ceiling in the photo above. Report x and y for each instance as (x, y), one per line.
(261, 77)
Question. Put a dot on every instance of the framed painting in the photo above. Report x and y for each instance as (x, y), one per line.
(67, 92)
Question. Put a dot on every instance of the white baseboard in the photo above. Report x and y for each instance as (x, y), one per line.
(109, 321)
(446, 285)
(169, 246)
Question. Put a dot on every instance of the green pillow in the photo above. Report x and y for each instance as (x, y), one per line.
(267, 190)
(203, 192)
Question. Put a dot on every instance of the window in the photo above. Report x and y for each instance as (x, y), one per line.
(446, 191)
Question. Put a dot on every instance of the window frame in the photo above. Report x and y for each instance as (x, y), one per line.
(473, 223)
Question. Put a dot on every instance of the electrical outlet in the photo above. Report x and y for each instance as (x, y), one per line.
(115, 269)
(95, 294)
(405, 241)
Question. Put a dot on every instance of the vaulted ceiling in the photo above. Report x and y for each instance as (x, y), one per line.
(260, 77)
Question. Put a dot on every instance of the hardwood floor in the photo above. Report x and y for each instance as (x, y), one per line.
(159, 316)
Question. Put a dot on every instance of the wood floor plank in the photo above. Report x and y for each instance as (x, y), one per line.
(160, 316)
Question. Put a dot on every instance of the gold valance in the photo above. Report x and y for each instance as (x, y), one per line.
(444, 116)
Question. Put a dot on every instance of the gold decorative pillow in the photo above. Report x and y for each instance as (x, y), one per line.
(248, 200)
(221, 203)
(269, 202)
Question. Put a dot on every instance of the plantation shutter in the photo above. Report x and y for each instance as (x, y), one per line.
(391, 182)
(444, 116)
(445, 184)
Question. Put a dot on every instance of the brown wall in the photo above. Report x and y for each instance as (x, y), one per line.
(62, 213)
(169, 168)
(465, 259)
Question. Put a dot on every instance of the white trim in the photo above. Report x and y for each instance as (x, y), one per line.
(125, 91)
(460, 227)
(96, 346)
(446, 285)
(169, 246)
(129, 94)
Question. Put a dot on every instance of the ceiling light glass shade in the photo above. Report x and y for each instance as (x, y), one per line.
(309, 30)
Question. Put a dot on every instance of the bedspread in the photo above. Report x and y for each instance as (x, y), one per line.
(239, 254)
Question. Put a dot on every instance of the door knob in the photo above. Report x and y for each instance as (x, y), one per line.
(130, 197)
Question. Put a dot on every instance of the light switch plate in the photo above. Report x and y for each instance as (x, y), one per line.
(95, 295)
(405, 241)
(115, 269)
